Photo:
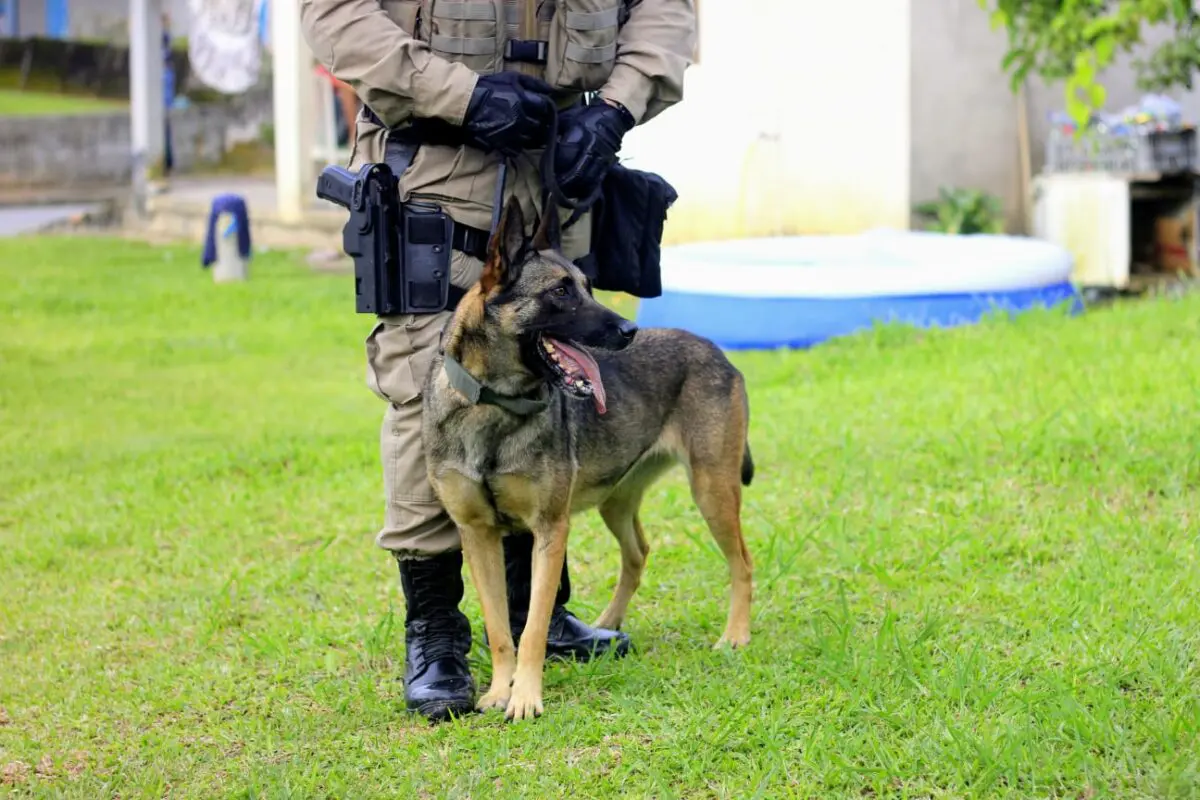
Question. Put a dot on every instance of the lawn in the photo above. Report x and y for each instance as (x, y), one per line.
(16, 103)
(976, 553)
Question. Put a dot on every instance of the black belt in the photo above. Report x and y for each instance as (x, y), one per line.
(472, 241)
(455, 295)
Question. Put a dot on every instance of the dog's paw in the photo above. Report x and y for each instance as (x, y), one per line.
(524, 704)
(733, 640)
(496, 698)
(609, 621)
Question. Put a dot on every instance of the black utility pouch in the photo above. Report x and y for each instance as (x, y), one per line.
(627, 228)
(425, 238)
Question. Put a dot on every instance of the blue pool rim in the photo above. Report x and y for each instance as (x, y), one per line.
(768, 323)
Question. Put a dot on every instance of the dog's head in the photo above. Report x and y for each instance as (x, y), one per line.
(534, 296)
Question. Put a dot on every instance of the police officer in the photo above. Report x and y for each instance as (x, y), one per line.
(472, 83)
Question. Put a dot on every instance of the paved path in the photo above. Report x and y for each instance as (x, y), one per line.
(258, 192)
(25, 219)
(182, 212)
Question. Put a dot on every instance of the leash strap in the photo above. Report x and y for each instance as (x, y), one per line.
(479, 394)
(550, 188)
(498, 199)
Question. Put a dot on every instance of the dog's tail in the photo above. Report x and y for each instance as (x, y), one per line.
(747, 466)
(747, 459)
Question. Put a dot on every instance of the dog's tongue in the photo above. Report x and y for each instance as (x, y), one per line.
(588, 364)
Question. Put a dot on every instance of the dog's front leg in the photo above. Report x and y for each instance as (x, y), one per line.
(485, 558)
(550, 542)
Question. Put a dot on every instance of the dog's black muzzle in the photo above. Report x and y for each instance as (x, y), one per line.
(592, 325)
(607, 331)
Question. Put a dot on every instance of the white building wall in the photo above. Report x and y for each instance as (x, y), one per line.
(795, 120)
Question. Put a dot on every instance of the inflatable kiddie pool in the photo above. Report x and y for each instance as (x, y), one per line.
(797, 291)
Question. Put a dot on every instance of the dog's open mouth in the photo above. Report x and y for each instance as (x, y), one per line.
(576, 372)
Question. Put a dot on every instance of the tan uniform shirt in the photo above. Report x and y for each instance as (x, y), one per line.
(421, 58)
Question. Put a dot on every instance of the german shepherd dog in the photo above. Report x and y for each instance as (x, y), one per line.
(542, 403)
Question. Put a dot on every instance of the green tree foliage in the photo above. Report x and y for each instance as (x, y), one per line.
(1075, 40)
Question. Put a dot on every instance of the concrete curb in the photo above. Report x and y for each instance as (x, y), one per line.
(103, 217)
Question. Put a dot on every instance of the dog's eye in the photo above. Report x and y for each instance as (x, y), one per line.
(561, 291)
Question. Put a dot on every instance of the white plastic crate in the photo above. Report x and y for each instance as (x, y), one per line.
(1168, 152)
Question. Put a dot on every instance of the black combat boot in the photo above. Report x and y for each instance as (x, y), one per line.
(568, 637)
(437, 638)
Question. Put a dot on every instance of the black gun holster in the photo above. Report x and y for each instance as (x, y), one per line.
(401, 251)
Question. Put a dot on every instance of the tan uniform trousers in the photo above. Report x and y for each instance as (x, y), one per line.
(400, 351)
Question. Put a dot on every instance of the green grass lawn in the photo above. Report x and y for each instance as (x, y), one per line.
(14, 102)
(976, 553)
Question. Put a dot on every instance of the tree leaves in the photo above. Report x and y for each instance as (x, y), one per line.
(1076, 40)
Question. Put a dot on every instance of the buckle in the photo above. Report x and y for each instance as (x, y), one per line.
(472, 241)
(528, 51)
(371, 117)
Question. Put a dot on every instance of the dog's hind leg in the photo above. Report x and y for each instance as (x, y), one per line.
(620, 515)
(718, 495)
(716, 453)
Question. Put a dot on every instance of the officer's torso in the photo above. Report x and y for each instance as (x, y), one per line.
(570, 44)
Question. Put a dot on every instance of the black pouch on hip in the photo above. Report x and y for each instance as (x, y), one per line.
(425, 237)
(627, 229)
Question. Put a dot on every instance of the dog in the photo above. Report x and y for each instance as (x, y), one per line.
(542, 403)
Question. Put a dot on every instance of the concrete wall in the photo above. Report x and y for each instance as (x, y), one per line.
(964, 121)
(59, 152)
(964, 117)
(796, 120)
(56, 151)
(100, 19)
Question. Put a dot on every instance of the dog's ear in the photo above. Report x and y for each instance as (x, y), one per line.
(549, 230)
(505, 248)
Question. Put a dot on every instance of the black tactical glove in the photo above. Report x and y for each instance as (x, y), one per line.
(509, 112)
(588, 141)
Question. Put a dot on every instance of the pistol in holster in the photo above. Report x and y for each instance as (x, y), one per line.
(401, 251)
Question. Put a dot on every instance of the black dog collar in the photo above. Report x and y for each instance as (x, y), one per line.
(477, 393)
